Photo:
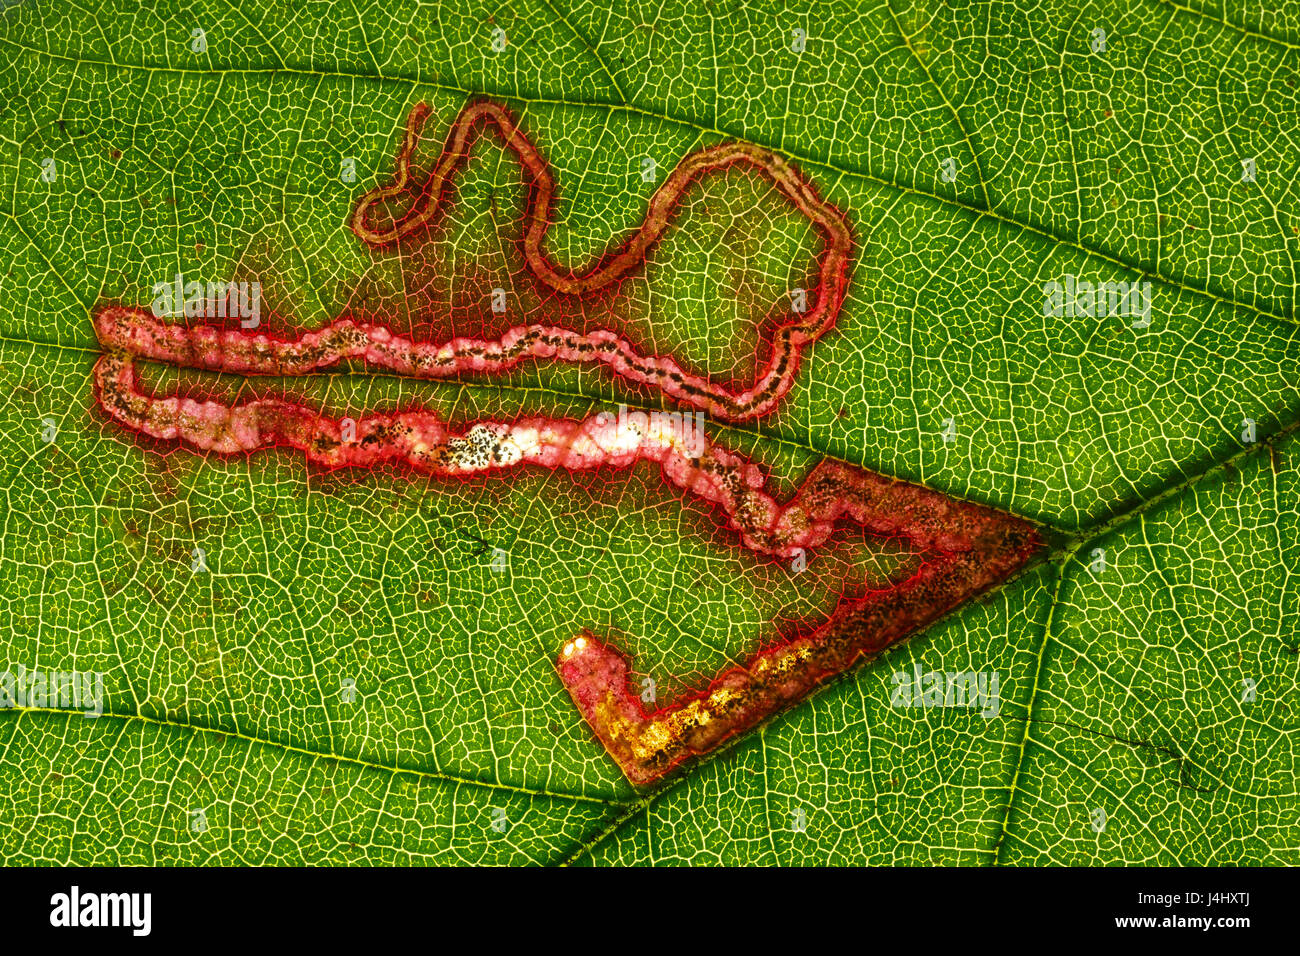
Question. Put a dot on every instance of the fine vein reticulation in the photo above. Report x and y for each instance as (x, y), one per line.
(966, 548)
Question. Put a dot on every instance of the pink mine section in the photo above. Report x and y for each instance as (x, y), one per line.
(139, 333)
(687, 460)
(597, 679)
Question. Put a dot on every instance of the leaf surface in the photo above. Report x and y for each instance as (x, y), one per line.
(1123, 690)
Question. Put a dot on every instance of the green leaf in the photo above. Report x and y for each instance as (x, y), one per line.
(1158, 693)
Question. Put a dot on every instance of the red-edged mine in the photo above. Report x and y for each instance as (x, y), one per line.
(966, 548)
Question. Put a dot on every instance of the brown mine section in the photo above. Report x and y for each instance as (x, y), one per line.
(981, 547)
(436, 295)
(442, 298)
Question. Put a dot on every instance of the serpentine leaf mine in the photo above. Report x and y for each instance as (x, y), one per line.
(966, 548)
